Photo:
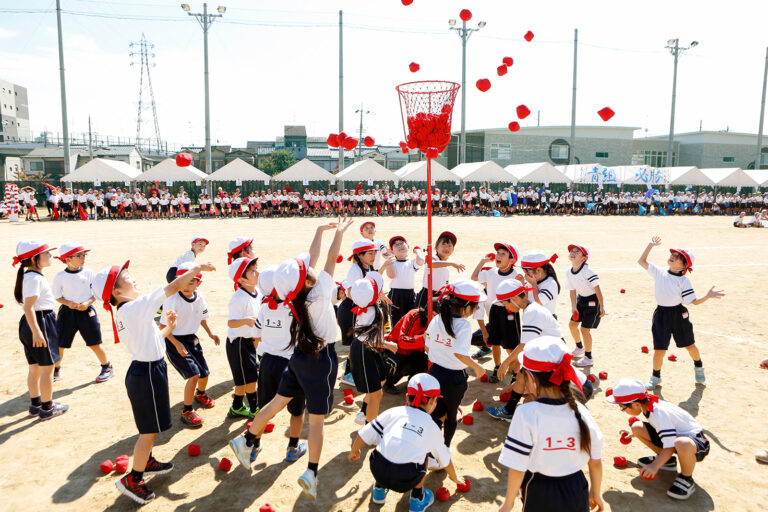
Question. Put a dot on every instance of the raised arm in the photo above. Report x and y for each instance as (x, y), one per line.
(643, 261)
(480, 265)
(314, 248)
(184, 279)
(333, 250)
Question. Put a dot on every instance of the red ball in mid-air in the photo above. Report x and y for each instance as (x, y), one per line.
(183, 159)
(528, 36)
(465, 15)
(414, 67)
(514, 126)
(483, 84)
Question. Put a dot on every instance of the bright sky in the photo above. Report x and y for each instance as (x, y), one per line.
(276, 63)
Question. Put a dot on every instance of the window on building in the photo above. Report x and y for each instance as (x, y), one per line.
(501, 151)
(729, 159)
(601, 154)
(652, 158)
(36, 166)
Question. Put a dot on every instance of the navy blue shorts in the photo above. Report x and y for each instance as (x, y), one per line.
(243, 360)
(368, 367)
(503, 327)
(194, 363)
(147, 385)
(42, 356)
(568, 493)
(701, 441)
(71, 321)
(589, 311)
(314, 376)
(398, 477)
(271, 370)
(671, 322)
(403, 300)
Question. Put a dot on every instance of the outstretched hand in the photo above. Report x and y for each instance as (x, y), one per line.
(344, 223)
(715, 294)
(656, 240)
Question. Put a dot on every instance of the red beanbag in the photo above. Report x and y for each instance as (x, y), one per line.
(349, 400)
(620, 462)
(603, 375)
(121, 466)
(443, 494)
(463, 487)
(477, 406)
(193, 450)
(106, 467)
(468, 419)
(269, 428)
(225, 464)
(591, 378)
(504, 397)
(484, 378)
(483, 84)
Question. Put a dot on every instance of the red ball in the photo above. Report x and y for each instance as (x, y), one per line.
(349, 143)
(340, 138)
(644, 349)
(528, 36)
(483, 84)
(193, 450)
(484, 378)
(121, 457)
(591, 378)
(369, 141)
(504, 397)
(248, 425)
(654, 477)
(523, 111)
(514, 126)
(501, 70)
(443, 494)
(183, 159)
(477, 406)
(269, 427)
(406, 2)
(606, 113)
(432, 153)
(349, 400)
(603, 375)
(267, 507)
(575, 316)
(633, 420)
(672, 357)
(620, 462)
(106, 467)
(414, 67)
(225, 464)
(121, 466)
(623, 290)
(339, 258)
(465, 15)
(463, 487)
(508, 61)
(348, 391)
(625, 439)
(609, 392)
(333, 140)
(403, 147)
(468, 419)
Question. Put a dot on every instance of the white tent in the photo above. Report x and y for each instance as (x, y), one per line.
(168, 170)
(102, 169)
(541, 172)
(417, 171)
(302, 170)
(688, 176)
(366, 170)
(760, 176)
(731, 177)
(238, 169)
(482, 171)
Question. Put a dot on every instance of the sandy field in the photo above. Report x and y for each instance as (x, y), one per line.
(54, 465)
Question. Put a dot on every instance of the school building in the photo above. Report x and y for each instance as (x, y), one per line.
(14, 113)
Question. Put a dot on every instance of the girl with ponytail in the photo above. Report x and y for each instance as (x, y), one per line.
(552, 438)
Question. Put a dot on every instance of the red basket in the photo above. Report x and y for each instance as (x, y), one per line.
(427, 109)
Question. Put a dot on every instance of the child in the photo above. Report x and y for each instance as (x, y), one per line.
(72, 289)
(37, 326)
(241, 344)
(448, 341)
(552, 438)
(587, 303)
(273, 337)
(670, 319)
(410, 358)
(183, 347)
(503, 326)
(541, 276)
(147, 378)
(404, 437)
(313, 365)
(403, 275)
(198, 245)
(239, 247)
(446, 243)
(667, 429)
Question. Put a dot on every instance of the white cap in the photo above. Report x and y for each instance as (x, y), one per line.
(238, 244)
(549, 354)
(104, 282)
(365, 293)
(237, 267)
(186, 267)
(28, 248)
(537, 258)
(627, 390)
(267, 279)
(68, 249)
(464, 289)
(290, 277)
(423, 386)
(509, 288)
(361, 245)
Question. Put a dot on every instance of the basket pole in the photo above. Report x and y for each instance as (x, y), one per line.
(429, 237)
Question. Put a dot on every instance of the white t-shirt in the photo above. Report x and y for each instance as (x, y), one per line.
(492, 277)
(405, 435)
(243, 304)
(320, 308)
(189, 312)
(548, 291)
(137, 329)
(274, 329)
(544, 438)
(440, 276)
(74, 285)
(35, 285)
(442, 347)
(538, 321)
(583, 281)
(185, 257)
(670, 289)
(405, 274)
(670, 421)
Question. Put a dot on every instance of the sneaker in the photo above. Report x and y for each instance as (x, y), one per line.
(681, 488)
(204, 400)
(254, 453)
(308, 484)
(762, 457)
(56, 410)
(360, 418)
(500, 413)
(105, 374)
(424, 503)
(137, 491)
(700, 378)
(347, 380)
(391, 390)
(155, 467)
(56, 373)
(584, 361)
(653, 382)
(34, 410)
(242, 451)
(670, 465)
(494, 378)
(482, 352)
(294, 454)
(578, 352)
(242, 412)
(379, 495)
(191, 418)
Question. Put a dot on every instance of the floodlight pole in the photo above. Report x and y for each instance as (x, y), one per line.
(675, 50)
(762, 114)
(572, 150)
(65, 126)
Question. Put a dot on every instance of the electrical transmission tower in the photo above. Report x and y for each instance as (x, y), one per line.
(141, 54)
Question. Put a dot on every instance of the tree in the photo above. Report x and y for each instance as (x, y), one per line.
(278, 161)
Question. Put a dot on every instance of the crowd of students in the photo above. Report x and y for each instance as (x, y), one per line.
(117, 203)
(282, 326)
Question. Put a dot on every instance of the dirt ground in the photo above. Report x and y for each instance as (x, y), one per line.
(54, 465)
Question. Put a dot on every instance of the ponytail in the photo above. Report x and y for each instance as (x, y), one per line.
(585, 438)
(550, 271)
(18, 287)
(373, 333)
(451, 307)
(302, 336)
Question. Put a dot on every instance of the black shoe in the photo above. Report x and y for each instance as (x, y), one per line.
(391, 390)
(56, 410)
(137, 491)
(670, 465)
(155, 467)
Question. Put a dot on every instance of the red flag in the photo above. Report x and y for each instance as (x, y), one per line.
(358, 187)
(378, 208)
(55, 212)
(83, 213)
(49, 186)
(215, 210)
(181, 207)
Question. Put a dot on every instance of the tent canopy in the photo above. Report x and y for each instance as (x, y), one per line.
(102, 169)
(417, 171)
(688, 176)
(238, 169)
(168, 170)
(541, 172)
(304, 169)
(760, 176)
(482, 171)
(731, 177)
(367, 170)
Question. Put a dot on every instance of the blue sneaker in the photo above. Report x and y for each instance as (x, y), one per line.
(499, 413)
(379, 495)
(347, 380)
(482, 352)
(294, 454)
(653, 382)
(700, 378)
(254, 453)
(423, 504)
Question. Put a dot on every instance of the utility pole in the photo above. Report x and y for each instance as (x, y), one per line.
(360, 139)
(341, 87)
(464, 33)
(572, 149)
(675, 49)
(67, 168)
(762, 115)
(90, 139)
